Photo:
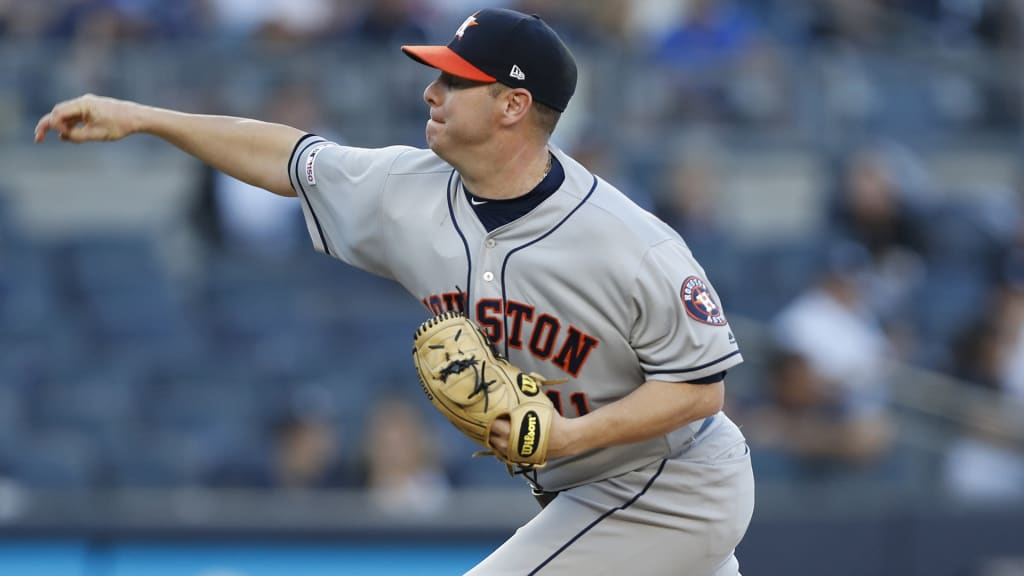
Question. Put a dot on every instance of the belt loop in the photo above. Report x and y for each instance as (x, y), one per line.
(704, 425)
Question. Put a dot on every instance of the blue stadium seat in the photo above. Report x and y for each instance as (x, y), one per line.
(139, 457)
(89, 402)
(775, 274)
(29, 300)
(56, 460)
(101, 263)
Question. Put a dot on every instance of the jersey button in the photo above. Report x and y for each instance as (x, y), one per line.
(488, 276)
(491, 243)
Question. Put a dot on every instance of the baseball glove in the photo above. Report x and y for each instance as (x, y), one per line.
(466, 379)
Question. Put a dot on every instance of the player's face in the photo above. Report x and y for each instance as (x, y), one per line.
(461, 113)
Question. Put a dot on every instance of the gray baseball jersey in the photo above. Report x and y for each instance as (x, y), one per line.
(587, 286)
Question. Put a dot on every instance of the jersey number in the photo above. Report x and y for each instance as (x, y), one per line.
(577, 399)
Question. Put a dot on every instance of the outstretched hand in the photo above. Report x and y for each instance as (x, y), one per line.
(88, 118)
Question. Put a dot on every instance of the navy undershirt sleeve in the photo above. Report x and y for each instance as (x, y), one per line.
(709, 379)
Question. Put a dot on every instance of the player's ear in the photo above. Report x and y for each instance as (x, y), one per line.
(516, 104)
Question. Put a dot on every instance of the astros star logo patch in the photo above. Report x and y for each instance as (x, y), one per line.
(700, 304)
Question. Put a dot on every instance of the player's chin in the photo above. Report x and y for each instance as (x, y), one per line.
(433, 134)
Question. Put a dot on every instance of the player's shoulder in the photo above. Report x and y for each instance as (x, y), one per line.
(397, 159)
(612, 209)
(411, 160)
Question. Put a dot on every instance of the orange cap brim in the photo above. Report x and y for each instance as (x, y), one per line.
(445, 59)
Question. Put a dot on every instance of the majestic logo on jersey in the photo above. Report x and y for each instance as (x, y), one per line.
(699, 303)
(521, 327)
(471, 21)
(529, 433)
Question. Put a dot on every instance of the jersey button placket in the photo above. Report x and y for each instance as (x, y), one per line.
(490, 264)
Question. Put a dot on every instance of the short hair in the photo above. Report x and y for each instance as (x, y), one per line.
(544, 116)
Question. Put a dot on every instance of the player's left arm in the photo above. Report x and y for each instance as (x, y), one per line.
(680, 330)
(653, 409)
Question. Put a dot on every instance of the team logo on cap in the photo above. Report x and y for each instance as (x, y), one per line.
(471, 21)
(700, 304)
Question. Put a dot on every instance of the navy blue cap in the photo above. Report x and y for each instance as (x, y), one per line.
(515, 49)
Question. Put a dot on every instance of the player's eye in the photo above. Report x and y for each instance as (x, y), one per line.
(456, 83)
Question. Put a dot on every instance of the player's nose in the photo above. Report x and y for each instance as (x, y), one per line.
(432, 93)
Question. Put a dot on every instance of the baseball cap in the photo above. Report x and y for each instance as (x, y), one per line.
(515, 49)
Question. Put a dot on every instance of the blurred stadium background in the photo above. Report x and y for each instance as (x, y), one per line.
(186, 389)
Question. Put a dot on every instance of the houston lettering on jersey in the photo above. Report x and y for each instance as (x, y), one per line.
(542, 335)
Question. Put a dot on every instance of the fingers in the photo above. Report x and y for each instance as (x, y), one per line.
(499, 433)
(83, 133)
(41, 127)
(64, 118)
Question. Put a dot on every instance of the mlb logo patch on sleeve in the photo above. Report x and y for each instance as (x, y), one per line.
(311, 163)
(700, 304)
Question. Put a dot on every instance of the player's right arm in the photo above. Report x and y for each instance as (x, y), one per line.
(252, 151)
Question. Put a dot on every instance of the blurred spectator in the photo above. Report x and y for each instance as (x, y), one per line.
(1000, 25)
(689, 191)
(307, 454)
(594, 149)
(390, 23)
(1009, 276)
(609, 21)
(688, 198)
(13, 501)
(985, 464)
(803, 431)
(876, 204)
(877, 207)
(836, 354)
(998, 28)
(855, 22)
(29, 19)
(710, 34)
(274, 20)
(843, 34)
(653, 18)
(759, 91)
(572, 19)
(986, 461)
(402, 464)
(711, 37)
(978, 353)
(452, 12)
(1010, 331)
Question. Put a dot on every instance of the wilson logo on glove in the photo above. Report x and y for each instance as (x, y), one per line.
(528, 385)
(468, 382)
(529, 434)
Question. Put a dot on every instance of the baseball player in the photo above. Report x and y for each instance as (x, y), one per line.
(566, 276)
